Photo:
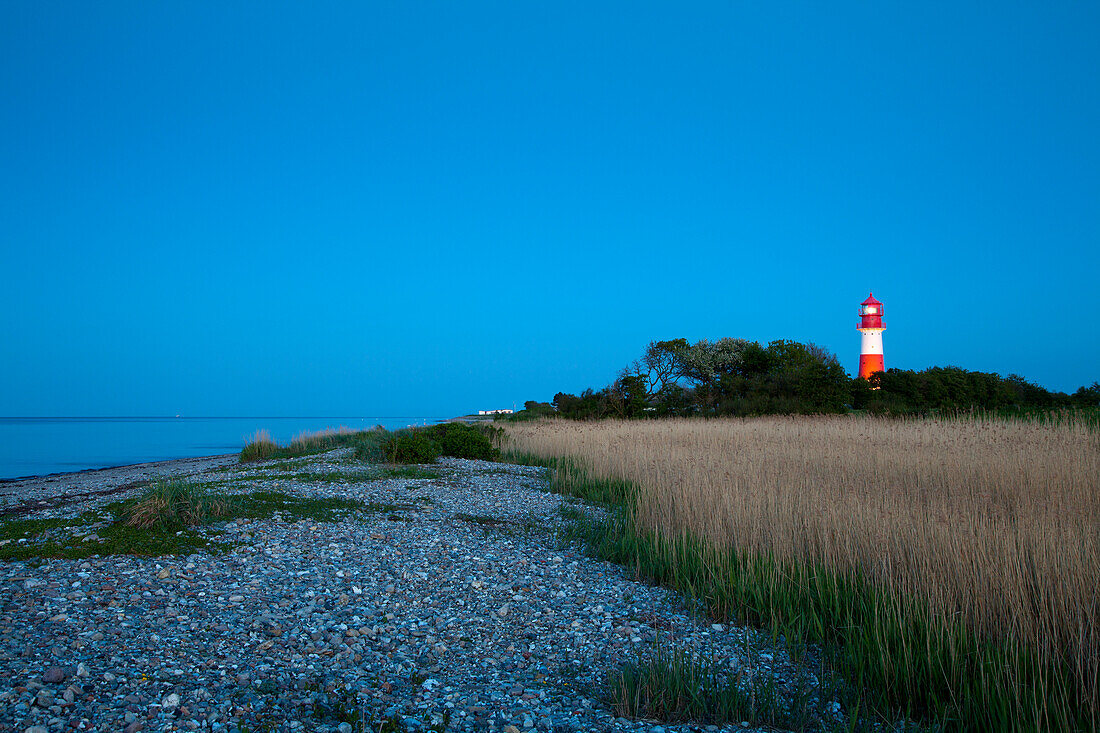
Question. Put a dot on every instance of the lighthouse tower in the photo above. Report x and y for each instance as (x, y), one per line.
(871, 328)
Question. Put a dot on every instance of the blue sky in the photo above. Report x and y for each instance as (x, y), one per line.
(431, 208)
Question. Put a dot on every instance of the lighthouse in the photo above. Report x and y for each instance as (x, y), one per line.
(870, 328)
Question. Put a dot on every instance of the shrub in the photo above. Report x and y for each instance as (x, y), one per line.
(463, 441)
(409, 446)
(425, 445)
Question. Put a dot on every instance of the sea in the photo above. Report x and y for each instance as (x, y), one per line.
(37, 446)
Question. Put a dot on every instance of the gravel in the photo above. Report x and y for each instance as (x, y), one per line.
(461, 611)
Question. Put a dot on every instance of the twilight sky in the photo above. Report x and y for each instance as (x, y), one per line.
(429, 208)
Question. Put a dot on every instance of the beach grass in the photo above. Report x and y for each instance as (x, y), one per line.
(947, 567)
(686, 685)
(261, 446)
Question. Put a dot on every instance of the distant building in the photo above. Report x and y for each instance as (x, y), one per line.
(494, 412)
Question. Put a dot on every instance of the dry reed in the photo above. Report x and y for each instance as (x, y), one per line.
(307, 440)
(992, 522)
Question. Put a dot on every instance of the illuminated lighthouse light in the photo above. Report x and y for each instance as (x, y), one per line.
(870, 328)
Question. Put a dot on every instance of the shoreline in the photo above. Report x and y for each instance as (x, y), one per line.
(44, 487)
(7, 481)
(61, 474)
(54, 491)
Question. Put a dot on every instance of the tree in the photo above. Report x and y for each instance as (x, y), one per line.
(538, 409)
(629, 395)
(809, 374)
(1087, 396)
(708, 364)
(662, 365)
(704, 361)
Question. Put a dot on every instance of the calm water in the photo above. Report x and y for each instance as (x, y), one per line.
(33, 446)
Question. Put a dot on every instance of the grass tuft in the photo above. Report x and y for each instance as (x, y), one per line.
(681, 686)
(260, 447)
(172, 505)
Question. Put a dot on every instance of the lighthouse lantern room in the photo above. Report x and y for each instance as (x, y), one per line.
(871, 328)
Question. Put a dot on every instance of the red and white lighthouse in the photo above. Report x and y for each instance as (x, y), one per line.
(870, 328)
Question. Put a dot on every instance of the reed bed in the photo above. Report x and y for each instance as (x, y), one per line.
(985, 524)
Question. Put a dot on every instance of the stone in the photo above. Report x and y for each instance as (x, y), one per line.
(53, 675)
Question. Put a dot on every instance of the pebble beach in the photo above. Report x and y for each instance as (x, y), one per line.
(457, 608)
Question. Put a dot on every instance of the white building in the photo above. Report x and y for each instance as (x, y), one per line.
(494, 412)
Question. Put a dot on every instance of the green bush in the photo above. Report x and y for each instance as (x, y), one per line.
(409, 446)
(463, 441)
(425, 445)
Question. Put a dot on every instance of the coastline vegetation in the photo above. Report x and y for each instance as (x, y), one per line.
(161, 521)
(740, 378)
(260, 445)
(165, 519)
(947, 568)
(407, 446)
(686, 686)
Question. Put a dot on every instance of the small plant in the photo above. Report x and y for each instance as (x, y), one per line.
(484, 521)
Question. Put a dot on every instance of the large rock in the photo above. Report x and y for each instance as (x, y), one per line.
(53, 675)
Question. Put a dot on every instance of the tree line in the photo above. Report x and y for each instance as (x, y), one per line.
(737, 377)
